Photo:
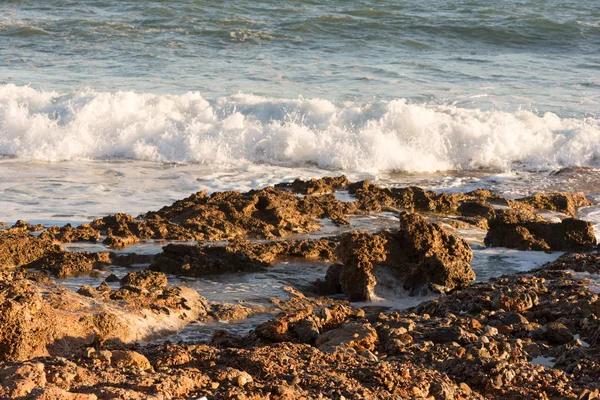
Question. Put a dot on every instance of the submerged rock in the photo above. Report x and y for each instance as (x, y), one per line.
(524, 230)
(418, 255)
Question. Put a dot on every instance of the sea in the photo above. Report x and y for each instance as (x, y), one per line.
(125, 106)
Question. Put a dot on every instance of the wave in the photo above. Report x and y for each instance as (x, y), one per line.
(374, 137)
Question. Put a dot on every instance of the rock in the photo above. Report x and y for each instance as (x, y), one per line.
(40, 319)
(556, 333)
(112, 278)
(130, 359)
(358, 336)
(20, 380)
(446, 335)
(69, 234)
(230, 312)
(476, 209)
(331, 284)
(566, 203)
(145, 279)
(514, 300)
(238, 378)
(525, 231)
(200, 260)
(20, 248)
(315, 186)
(442, 391)
(419, 255)
(66, 264)
(55, 393)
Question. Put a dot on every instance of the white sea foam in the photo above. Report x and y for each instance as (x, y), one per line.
(375, 137)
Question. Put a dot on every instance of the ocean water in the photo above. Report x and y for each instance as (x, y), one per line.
(125, 106)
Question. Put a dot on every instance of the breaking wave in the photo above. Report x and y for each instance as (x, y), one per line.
(375, 137)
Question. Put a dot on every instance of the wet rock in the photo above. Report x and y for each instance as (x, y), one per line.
(38, 319)
(123, 230)
(374, 198)
(566, 203)
(331, 284)
(66, 264)
(203, 260)
(471, 208)
(145, 279)
(269, 252)
(230, 312)
(525, 231)
(315, 186)
(112, 278)
(419, 255)
(266, 213)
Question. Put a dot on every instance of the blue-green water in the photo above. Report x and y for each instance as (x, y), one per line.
(369, 85)
(506, 54)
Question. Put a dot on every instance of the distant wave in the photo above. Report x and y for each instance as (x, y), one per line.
(379, 136)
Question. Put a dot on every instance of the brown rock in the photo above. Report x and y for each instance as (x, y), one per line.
(130, 359)
(145, 279)
(355, 335)
(419, 255)
(19, 248)
(525, 231)
(566, 203)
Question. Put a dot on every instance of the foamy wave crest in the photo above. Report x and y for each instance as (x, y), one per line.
(380, 136)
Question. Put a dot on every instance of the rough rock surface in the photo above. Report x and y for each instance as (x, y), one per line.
(478, 343)
(18, 248)
(566, 203)
(279, 211)
(69, 234)
(238, 256)
(419, 255)
(524, 230)
(38, 318)
(315, 186)
(65, 264)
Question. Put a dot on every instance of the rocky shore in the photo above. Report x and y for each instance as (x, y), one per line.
(529, 335)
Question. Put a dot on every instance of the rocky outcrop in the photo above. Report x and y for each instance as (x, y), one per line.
(238, 256)
(566, 203)
(418, 255)
(65, 264)
(313, 186)
(39, 318)
(374, 198)
(524, 230)
(18, 247)
(189, 260)
(69, 234)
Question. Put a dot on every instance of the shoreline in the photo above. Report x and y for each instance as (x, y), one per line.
(473, 341)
